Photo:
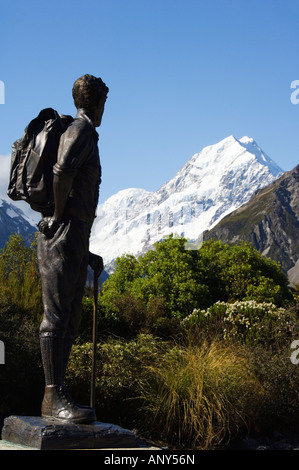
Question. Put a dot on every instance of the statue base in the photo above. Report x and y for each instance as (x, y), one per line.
(48, 434)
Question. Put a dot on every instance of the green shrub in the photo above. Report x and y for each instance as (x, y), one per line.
(120, 364)
(194, 396)
(178, 281)
(21, 377)
(244, 321)
(279, 378)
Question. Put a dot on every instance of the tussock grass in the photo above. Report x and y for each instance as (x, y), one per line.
(199, 396)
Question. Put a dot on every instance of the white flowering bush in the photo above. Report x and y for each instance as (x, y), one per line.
(245, 321)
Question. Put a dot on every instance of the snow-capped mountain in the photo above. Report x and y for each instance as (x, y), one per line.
(213, 183)
(14, 220)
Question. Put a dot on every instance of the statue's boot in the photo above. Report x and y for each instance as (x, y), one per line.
(57, 403)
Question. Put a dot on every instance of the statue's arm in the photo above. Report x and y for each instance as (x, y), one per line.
(72, 149)
(61, 187)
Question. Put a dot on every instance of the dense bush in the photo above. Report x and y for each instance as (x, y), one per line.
(198, 396)
(169, 282)
(279, 378)
(21, 377)
(120, 366)
(247, 322)
(192, 396)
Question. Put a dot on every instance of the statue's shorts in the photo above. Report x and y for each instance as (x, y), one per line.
(63, 261)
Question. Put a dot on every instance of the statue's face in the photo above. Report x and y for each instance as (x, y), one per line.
(99, 112)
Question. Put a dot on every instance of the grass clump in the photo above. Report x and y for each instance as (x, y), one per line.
(199, 396)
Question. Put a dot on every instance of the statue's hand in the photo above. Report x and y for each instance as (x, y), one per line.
(96, 264)
(48, 226)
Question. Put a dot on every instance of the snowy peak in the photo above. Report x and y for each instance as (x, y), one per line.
(205, 170)
(231, 152)
(253, 148)
(211, 184)
(13, 220)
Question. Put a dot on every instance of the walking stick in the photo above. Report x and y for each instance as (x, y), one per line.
(94, 339)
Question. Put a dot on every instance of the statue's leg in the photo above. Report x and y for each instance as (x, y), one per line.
(76, 312)
(52, 350)
(60, 259)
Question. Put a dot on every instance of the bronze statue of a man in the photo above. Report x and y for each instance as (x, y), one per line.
(63, 246)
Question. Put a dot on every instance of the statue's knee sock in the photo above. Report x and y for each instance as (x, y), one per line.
(52, 351)
(68, 343)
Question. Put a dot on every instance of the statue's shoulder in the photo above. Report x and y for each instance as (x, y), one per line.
(78, 129)
(81, 124)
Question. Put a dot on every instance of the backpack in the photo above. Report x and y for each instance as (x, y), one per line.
(32, 160)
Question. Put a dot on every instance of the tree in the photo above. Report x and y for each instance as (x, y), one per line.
(21, 380)
(240, 272)
(177, 280)
(19, 277)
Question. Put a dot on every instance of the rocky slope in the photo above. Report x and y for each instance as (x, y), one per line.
(270, 221)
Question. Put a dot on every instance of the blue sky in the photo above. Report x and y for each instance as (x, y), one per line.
(182, 74)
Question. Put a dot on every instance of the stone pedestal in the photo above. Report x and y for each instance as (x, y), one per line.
(46, 434)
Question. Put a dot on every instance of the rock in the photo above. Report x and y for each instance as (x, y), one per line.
(270, 221)
(283, 444)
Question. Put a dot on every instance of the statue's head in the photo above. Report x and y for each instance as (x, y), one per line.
(90, 94)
